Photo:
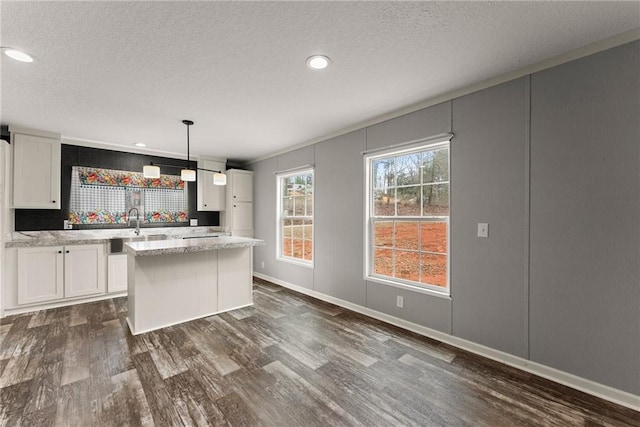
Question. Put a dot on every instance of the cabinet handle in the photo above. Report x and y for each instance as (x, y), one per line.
(59, 252)
(205, 205)
(235, 206)
(66, 251)
(53, 201)
(234, 197)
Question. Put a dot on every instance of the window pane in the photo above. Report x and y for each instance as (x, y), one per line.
(297, 248)
(383, 262)
(434, 269)
(433, 236)
(436, 200)
(408, 169)
(383, 176)
(383, 233)
(297, 229)
(308, 229)
(407, 265)
(384, 202)
(309, 206)
(406, 234)
(286, 247)
(409, 201)
(298, 206)
(287, 228)
(435, 165)
(287, 206)
(308, 250)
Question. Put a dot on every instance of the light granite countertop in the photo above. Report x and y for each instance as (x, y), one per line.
(22, 239)
(175, 246)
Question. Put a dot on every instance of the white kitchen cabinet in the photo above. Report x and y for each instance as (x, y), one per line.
(36, 169)
(239, 214)
(40, 274)
(84, 270)
(52, 273)
(117, 273)
(210, 197)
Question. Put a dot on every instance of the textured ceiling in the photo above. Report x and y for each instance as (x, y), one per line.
(127, 72)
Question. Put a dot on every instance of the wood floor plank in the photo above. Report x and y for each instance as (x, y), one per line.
(288, 360)
(129, 400)
(76, 355)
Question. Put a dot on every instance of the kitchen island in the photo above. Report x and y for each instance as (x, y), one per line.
(175, 281)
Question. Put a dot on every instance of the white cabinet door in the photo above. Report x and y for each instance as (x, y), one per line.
(242, 216)
(242, 185)
(36, 171)
(40, 274)
(84, 270)
(210, 197)
(117, 273)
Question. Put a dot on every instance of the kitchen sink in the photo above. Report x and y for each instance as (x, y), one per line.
(116, 244)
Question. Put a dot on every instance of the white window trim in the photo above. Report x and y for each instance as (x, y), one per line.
(431, 143)
(285, 174)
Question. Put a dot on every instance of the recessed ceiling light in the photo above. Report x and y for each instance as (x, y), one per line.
(140, 144)
(18, 55)
(318, 62)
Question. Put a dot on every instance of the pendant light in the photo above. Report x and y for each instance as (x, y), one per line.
(151, 171)
(188, 174)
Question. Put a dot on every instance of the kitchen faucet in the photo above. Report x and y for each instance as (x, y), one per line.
(137, 220)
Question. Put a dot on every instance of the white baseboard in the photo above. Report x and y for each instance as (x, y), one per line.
(61, 303)
(593, 388)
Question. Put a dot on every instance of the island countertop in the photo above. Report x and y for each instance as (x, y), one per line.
(175, 246)
(22, 239)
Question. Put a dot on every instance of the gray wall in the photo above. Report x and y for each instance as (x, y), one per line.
(585, 217)
(551, 161)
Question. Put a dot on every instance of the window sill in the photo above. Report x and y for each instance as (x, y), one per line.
(295, 262)
(445, 294)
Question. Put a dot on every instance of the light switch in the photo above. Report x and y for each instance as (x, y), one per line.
(193, 222)
(483, 229)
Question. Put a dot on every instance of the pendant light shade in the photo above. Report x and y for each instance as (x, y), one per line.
(219, 178)
(151, 171)
(188, 175)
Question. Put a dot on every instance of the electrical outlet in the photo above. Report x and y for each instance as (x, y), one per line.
(483, 229)
(400, 301)
(262, 264)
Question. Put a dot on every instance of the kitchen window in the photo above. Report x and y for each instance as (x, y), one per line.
(295, 217)
(407, 217)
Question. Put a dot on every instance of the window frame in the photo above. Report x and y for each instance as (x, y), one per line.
(280, 217)
(369, 157)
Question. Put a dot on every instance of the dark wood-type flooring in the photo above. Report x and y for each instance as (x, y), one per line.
(290, 360)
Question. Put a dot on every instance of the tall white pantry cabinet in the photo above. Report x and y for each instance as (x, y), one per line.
(238, 218)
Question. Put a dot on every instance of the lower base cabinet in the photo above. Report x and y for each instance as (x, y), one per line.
(52, 273)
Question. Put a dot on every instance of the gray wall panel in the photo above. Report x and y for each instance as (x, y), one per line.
(488, 185)
(264, 216)
(339, 198)
(426, 310)
(585, 211)
(417, 125)
(294, 159)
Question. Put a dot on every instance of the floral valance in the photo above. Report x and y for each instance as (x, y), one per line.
(116, 178)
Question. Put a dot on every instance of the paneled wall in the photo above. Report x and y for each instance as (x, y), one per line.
(73, 155)
(551, 161)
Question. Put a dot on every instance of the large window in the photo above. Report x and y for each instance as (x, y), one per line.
(408, 217)
(295, 218)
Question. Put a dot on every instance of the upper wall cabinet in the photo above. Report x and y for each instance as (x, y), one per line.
(211, 197)
(240, 185)
(36, 169)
